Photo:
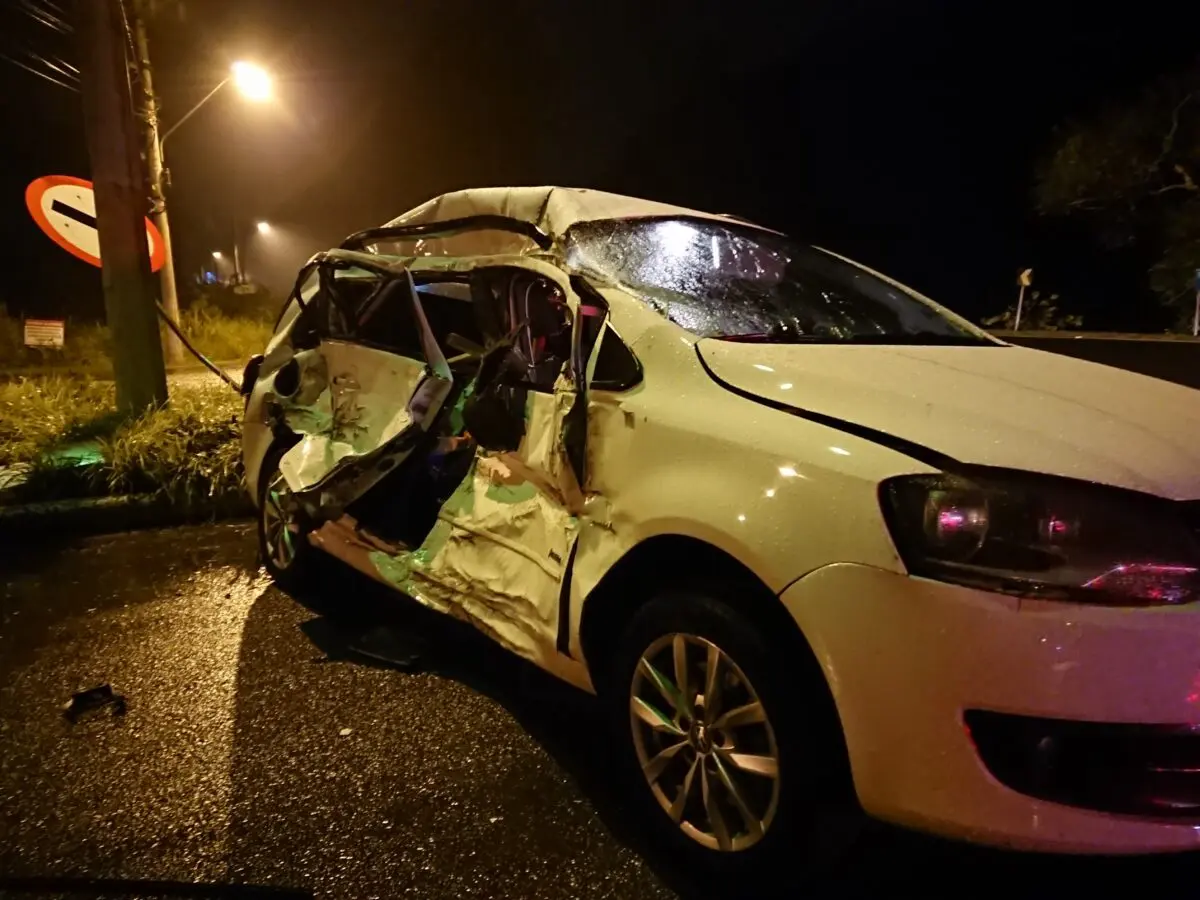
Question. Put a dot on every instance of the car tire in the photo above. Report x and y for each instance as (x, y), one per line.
(283, 544)
(787, 771)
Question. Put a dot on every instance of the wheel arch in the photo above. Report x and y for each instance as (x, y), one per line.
(680, 561)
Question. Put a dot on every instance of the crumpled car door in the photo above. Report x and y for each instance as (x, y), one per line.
(368, 405)
(502, 544)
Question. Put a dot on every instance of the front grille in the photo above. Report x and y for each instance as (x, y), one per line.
(1151, 771)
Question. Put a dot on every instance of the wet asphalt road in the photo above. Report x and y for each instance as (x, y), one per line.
(256, 750)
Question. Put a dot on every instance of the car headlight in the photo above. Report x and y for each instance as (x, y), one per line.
(1038, 536)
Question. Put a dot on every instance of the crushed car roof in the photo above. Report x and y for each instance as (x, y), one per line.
(552, 210)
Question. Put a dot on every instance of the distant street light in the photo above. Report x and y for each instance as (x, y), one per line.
(264, 227)
(252, 82)
(218, 255)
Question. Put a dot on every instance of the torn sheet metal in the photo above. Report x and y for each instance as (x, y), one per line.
(494, 558)
(377, 401)
(361, 408)
(497, 553)
(541, 458)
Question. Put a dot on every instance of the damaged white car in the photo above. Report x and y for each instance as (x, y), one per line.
(820, 544)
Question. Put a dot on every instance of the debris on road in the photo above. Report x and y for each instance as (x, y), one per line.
(346, 732)
(388, 645)
(93, 700)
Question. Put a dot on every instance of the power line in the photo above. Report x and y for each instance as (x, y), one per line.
(42, 25)
(46, 17)
(32, 71)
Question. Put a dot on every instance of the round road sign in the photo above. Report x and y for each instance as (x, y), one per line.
(65, 208)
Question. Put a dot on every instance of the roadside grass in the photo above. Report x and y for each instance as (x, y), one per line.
(67, 434)
(85, 351)
(39, 414)
(222, 337)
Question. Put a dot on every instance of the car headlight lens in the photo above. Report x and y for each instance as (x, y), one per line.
(1034, 535)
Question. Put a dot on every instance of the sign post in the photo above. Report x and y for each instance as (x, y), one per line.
(1196, 314)
(1025, 279)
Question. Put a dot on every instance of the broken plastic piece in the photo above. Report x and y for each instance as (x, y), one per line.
(390, 646)
(93, 700)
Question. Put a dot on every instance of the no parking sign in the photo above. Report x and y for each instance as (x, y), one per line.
(65, 208)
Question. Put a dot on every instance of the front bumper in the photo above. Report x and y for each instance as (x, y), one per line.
(907, 658)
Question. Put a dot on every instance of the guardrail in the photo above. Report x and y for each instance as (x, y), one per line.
(1170, 357)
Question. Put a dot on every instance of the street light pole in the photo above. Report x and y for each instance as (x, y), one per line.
(252, 81)
(237, 259)
(158, 199)
(191, 112)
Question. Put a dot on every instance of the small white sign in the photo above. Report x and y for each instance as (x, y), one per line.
(45, 333)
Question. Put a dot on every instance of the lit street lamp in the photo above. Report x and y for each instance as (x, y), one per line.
(252, 82)
(238, 276)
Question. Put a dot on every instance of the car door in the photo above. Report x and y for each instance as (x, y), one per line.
(371, 381)
(506, 536)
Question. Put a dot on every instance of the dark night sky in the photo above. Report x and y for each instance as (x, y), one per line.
(902, 134)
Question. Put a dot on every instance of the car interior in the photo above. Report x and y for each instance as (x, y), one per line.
(509, 331)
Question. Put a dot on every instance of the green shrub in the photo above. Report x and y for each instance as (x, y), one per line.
(11, 344)
(221, 337)
(86, 347)
(40, 414)
(245, 301)
(190, 450)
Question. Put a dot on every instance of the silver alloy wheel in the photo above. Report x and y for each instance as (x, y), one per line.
(279, 523)
(704, 742)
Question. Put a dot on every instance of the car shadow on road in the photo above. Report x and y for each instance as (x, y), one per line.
(569, 725)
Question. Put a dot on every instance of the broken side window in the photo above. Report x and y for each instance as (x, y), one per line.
(617, 369)
(385, 320)
(449, 308)
(543, 344)
(526, 323)
(529, 313)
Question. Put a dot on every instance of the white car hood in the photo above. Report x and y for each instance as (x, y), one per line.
(988, 405)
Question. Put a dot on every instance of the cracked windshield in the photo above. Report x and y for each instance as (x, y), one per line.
(688, 450)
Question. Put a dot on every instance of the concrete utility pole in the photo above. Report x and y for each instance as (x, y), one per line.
(158, 197)
(120, 185)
